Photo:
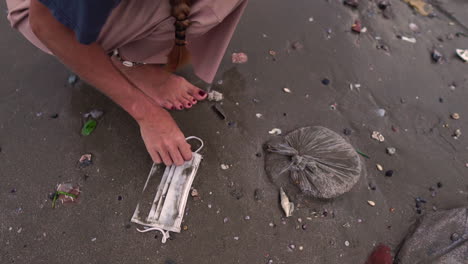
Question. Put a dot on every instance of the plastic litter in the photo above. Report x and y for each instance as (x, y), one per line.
(88, 127)
(65, 193)
(95, 113)
(436, 56)
(85, 160)
(215, 96)
(407, 39)
(239, 58)
(319, 162)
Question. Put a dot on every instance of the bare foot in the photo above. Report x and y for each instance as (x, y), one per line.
(166, 89)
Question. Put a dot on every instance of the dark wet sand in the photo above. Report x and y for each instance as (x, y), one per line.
(38, 152)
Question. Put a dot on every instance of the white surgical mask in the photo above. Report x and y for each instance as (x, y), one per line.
(165, 211)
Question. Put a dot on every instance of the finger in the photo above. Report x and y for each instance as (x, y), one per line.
(165, 157)
(185, 150)
(155, 157)
(175, 156)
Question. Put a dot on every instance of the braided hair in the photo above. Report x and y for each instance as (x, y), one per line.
(179, 55)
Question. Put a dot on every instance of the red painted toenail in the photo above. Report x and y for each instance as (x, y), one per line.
(189, 104)
(202, 93)
(173, 108)
(193, 100)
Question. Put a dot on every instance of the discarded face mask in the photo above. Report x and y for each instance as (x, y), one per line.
(164, 212)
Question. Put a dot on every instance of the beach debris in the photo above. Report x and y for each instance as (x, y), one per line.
(88, 127)
(346, 243)
(272, 53)
(95, 113)
(224, 166)
(385, 6)
(65, 193)
(85, 160)
(296, 45)
(381, 112)
(362, 154)
(72, 79)
(455, 116)
(239, 58)
(378, 136)
(414, 27)
(347, 131)
(351, 3)
(219, 111)
(275, 131)
(288, 207)
(215, 96)
(325, 81)
(436, 56)
(463, 54)
(407, 39)
(379, 167)
(454, 237)
(194, 193)
(421, 6)
(389, 173)
(357, 26)
(371, 203)
(391, 151)
(286, 90)
(457, 134)
(258, 194)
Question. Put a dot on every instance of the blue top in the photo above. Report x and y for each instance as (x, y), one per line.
(85, 17)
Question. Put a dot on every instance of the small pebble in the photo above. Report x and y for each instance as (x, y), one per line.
(301, 248)
(325, 81)
(389, 173)
(224, 166)
(347, 131)
(209, 206)
(391, 151)
(346, 243)
(379, 167)
(381, 112)
(439, 185)
(54, 116)
(454, 237)
(304, 227)
(119, 198)
(371, 203)
(299, 220)
(271, 224)
(286, 90)
(13, 190)
(247, 217)
(258, 154)
(236, 238)
(185, 228)
(72, 79)
(93, 239)
(455, 116)
(292, 246)
(194, 193)
(225, 220)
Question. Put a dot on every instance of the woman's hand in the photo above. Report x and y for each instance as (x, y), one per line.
(163, 138)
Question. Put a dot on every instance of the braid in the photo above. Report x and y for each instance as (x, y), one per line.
(179, 55)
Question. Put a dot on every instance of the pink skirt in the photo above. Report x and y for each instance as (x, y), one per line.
(143, 31)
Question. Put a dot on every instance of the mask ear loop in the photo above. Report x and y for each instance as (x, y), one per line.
(199, 139)
(164, 233)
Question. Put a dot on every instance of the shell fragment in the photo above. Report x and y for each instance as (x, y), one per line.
(287, 206)
(462, 53)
